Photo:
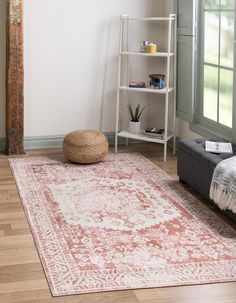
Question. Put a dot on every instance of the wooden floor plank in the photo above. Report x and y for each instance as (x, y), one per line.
(18, 241)
(18, 256)
(44, 296)
(21, 272)
(215, 293)
(22, 286)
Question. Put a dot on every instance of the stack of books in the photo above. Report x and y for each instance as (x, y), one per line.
(137, 84)
(156, 133)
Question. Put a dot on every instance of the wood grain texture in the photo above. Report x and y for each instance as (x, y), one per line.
(15, 79)
(21, 275)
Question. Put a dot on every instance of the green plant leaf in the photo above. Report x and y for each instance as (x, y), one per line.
(131, 112)
(140, 113)
(135, 115)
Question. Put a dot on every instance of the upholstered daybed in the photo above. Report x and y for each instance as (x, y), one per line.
(196, 166)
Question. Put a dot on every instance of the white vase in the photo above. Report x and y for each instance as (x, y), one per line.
(134, 127)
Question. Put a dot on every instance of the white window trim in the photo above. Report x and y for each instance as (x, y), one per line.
(202, 125)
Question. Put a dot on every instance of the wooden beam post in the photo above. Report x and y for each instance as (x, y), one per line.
(15, 79)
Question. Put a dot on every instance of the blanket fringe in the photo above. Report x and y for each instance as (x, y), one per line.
(224, 199)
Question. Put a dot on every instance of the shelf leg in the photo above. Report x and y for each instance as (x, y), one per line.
(116, 143)
(126, 141)
(165, 151)
(174, 144)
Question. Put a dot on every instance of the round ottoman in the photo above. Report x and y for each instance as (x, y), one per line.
(85, 146)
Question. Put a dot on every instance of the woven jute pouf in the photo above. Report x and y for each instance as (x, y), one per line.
(85, 146)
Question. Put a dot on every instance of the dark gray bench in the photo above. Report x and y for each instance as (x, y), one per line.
(195, 166)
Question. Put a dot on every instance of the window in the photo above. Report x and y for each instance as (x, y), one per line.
(216, 65)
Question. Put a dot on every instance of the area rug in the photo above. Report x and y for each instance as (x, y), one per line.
(120, 224)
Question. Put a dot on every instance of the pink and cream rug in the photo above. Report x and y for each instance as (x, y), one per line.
(120, 224)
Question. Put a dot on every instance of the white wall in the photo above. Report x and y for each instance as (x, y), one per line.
(71, 52)
(165, 7)
(2, 66)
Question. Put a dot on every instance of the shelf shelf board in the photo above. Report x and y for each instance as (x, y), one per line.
(158, 54)
(171, 17)
(126, 134)
(147, 90)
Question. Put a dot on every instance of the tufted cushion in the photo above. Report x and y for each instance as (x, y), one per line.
(85, 146)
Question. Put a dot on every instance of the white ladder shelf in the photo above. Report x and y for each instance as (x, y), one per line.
(168, 55)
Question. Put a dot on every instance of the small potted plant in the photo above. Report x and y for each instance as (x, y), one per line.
(134, 126)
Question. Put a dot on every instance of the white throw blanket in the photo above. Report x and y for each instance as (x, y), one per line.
(223, 184)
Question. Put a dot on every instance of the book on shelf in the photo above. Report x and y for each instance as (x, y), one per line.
(154, 130)
(218, 147)
(156, 133)
(137, 84)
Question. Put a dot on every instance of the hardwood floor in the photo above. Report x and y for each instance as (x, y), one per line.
(21, 275)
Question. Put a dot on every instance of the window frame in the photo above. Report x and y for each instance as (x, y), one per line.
(202, 124)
